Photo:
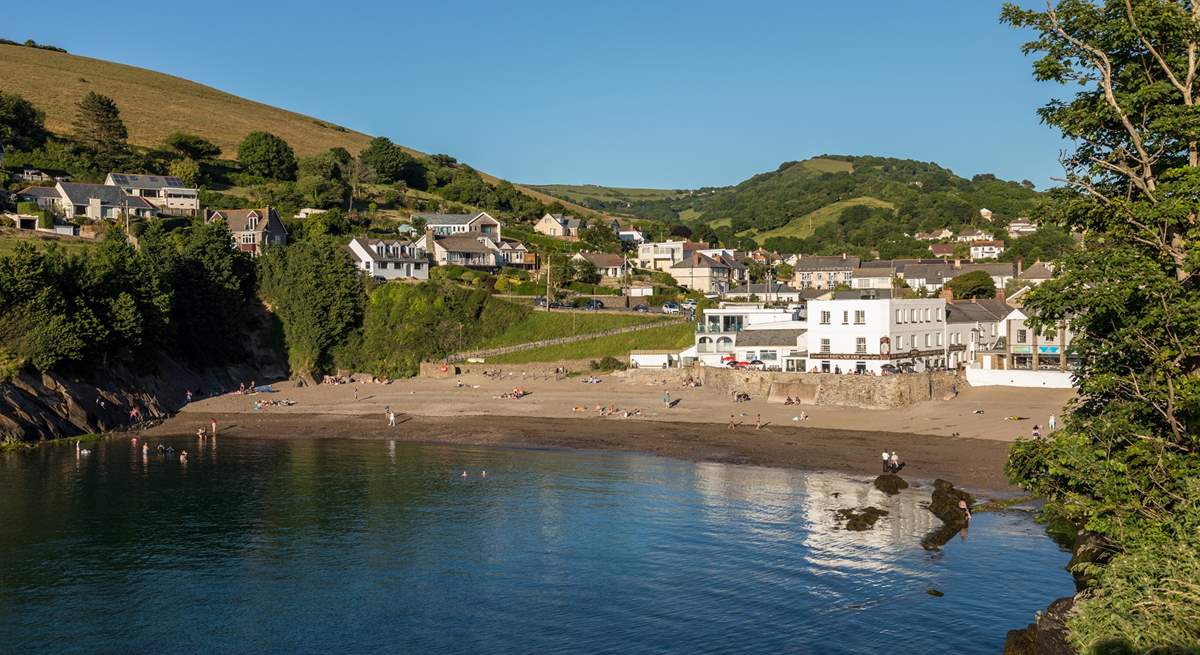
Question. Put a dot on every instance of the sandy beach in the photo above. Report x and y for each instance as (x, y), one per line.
(964, 440)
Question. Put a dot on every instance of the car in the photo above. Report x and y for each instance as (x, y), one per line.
(539, 301)
(642, 308)
(690, 303)
(554, 304)
(594, 304)
(670, 307)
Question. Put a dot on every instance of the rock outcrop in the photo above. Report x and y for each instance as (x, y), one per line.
(890, 483)
(36, 406)
(944, 504)
(1045, 636)
(860, 519)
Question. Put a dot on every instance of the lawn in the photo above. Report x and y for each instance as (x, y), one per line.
(676, 335)
(581, 192)
(540, 325)
(804, 226)
(822, 165)
(10, 238)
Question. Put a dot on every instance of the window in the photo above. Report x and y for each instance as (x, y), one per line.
(928, 340)
(926, 319)
(860, 317)
(845, 318)
(899, 343)
(939, 338)
(860, 345)
(912, 316)
(899, 315)
(824, 318)
(1021, 336)
(825, 346)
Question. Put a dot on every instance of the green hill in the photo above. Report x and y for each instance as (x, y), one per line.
(805, 226)
(155, 104)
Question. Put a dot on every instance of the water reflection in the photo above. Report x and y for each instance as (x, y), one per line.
(343, 545)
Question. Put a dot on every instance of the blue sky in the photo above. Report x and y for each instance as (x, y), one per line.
(640, 93)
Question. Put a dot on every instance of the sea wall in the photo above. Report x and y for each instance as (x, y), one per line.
(864, 391)
(979, 377)
(435, 369)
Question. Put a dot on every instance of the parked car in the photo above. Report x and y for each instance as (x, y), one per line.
(554, 304)
(539, 301)
(690, 303)
(670, 307)
(594, 304)
(643, 308)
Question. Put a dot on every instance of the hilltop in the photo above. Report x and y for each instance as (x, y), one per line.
(155, 104)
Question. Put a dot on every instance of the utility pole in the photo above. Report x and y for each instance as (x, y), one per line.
(548, 271)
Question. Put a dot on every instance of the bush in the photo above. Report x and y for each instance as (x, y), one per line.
(608, 363)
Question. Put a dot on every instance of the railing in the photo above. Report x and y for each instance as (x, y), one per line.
(701, 328)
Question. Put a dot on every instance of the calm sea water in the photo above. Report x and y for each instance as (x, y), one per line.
(331, 546)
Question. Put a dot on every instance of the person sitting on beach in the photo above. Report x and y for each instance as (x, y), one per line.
(803, 416)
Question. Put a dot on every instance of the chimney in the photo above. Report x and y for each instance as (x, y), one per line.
(1000, 295)
(843, 256)
(1020, 266)
(947, 294)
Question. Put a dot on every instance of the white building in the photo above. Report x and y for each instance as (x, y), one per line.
(718, 328)
(631, 236)
(390, 260)
(1021, 227)
(863, 331)
(662, 255)
(462, 224)
(971, 234)
(987, 249)
(166, 192)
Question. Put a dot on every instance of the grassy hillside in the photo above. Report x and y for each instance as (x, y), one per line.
(155, 104)
(804, 226)
(605, 198)
(553, 325)
(674, 336)
(9, 238)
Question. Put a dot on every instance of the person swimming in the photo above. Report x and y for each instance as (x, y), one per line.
(464, 474)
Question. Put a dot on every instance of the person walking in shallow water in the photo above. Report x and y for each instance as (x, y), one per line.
(391, 418)
(732, 422)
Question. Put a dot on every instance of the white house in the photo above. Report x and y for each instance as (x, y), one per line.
(662, 255)
(971, 234)
(610, 267)
(513, 253)
(778, 348)
(986, 249)
(559, 225)
(864, 330)
(1021, 227)
(389, 260)
(934, 235)
(631, 236)
(97, 202)
(474, 250)
(718, 329)
(460, 224)
(166, 192)
(875, 277)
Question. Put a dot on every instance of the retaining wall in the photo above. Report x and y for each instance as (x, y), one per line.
(979, 377)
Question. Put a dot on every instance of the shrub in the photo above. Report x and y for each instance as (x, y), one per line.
(608, 363)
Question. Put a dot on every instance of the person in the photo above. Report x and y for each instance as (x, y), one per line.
(391, 419)
(885, 461)
(894, 462)
(962, 506)
(803, 416)
(212, 422)
(666, 398)
(356, 392)
(387, 411)
(200, 433)
(189, 395)
(1037, 431)
(183, 456)
(758, 421)
(732, 423)
(1052, 423)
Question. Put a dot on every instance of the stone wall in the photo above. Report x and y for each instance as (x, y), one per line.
(495, 352)
(434, 369)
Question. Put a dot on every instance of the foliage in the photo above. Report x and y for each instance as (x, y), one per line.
(1048, 244)
(266, 155)
(187, 170)
(98, 127)
(318, 296)
(391, 163)
(599, 237)
(1125, 462)
(22, 126)
(608, 363)
(191, 146)
(976, 284)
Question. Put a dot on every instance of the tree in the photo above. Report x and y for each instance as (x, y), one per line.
(388, 161)
(784, 272)
(266, 155)
(187, 170)
(22, 126)
(98, 127)
(1126, 464)
(976, 284)
(600, 237)
(192, 146)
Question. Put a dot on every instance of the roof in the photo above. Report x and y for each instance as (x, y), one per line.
(821, 263)
(872, 272)
(566, 220)
(369, 247)
(970, 232)
(139, 181)
(761, 289)
(79, 193)
(1039, 271)
(973, 312)
(942, 248)
(946, 270)
(776, 337)
(603, 259)
(699, 260)
(863, 294)
(238, 220)
(450, 219)
(511, 244)
(39, 192)
(997, 243)
(462, 243)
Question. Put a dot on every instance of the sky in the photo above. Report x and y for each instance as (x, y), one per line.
(661, 94)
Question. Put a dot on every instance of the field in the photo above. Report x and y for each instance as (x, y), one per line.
(583, 192)
(823, 165)
(805, 225)
(676, 335)
(551, 325)
(154, 104)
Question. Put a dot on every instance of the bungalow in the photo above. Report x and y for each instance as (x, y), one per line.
(775, 347)
(700, 272)
(1021, 227)
(631, 236)
(514, 253)
(934, 235)
(560, 226)
(971, 234)
(474, 250)
(46, 197)
(943, 250)
(389, 260)
(168, 193)
(610, 267)
(874, 277)
(97, 202)
(252, 230)
(481, 224)
(1038, 273)
(27, 173)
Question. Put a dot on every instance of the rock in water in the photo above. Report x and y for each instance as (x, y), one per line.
(1046, 636)
(935, 592)
(890, 483)
(944, 503)
(859, 520)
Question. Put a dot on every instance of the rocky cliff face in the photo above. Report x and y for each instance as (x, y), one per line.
(36, 406)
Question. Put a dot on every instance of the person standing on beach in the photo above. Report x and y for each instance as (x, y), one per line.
(894, 462)
(666, 398)
(1052, 423)
(758, 421)
(885, 461)
(732, 422)
(356, 393)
